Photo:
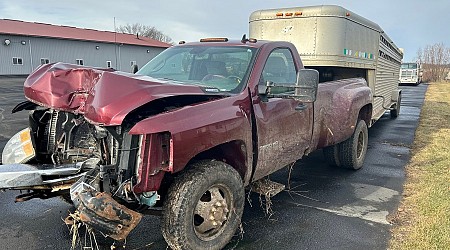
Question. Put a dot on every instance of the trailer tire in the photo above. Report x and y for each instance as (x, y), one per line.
(352, 151)
(203, 207)
(331, 155)
(395, 112)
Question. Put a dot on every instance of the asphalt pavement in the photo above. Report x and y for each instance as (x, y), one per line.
(325, 208)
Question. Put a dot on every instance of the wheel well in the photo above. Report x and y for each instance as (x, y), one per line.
(365, 113)
(234, 153)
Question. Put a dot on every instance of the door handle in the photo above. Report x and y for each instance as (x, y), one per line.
(301, 106)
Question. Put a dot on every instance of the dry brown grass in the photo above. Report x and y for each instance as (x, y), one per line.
(423, 219)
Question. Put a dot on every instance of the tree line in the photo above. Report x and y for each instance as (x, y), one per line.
(144, 31)
(435, 60)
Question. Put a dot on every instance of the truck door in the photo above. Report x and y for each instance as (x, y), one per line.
(284, 126)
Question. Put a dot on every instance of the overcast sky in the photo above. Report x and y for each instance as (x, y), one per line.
(411, 24)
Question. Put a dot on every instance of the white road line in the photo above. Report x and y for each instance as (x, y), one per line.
(367, 206)
(368, 213)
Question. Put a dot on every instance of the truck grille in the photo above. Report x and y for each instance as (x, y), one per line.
(408, 73)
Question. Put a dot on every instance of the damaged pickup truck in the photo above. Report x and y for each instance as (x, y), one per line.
(184, 136)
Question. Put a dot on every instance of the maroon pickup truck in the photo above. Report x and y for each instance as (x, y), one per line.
(183, 137)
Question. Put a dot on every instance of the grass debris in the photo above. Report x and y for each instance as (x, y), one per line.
(74, 224)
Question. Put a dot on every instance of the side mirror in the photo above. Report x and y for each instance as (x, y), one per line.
(263, 89)
(304, 90)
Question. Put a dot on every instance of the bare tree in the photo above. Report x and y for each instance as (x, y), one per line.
(435, 59)
(145, 31)
(419, 55)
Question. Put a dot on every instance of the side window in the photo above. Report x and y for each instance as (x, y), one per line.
(17, 61)
(279, 67)
(45, 60)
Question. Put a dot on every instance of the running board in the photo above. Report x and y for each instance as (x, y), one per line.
(267, 187)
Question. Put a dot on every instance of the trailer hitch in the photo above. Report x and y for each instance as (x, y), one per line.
(99, 211)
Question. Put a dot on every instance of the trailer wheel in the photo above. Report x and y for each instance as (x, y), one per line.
(331, 155)
(352, 151)
(203, 207)
(396, 110)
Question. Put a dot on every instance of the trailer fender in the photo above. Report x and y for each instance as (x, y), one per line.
(395, 95)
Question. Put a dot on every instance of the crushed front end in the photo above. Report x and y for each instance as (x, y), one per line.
(78, 144)
(54, 152)
(98, 167)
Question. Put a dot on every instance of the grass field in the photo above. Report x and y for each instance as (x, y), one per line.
(423, 218)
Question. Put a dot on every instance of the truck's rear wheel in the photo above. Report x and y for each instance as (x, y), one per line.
(204, 207)
(331, 155)
(352, 151)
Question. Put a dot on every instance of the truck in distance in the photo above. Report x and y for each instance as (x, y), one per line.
(189, 131)
(411, 73)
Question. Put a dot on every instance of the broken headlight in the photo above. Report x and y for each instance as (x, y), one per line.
(19, 149)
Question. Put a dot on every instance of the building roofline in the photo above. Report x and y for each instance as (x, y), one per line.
(37, 29)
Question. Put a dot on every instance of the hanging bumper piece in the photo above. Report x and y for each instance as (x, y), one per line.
(99, 211)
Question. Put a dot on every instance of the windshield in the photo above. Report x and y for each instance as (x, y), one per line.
(409, 65)
(223, 69)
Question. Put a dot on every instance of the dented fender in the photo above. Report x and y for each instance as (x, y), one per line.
(196, 129)
(337, 109)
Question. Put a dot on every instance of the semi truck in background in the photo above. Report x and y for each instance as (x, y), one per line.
(411, 73)
(339, 44)
(184, 135)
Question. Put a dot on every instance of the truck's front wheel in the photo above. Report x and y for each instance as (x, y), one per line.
(352, 152)
(204, 207)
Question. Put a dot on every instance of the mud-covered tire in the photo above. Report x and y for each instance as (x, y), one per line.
(352, 151)
(192, 196)
(331, 155)
(395, 112)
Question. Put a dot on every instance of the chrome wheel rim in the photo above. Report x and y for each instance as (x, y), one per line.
(212, 212)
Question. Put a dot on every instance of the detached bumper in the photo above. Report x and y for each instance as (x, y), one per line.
(24, 176)
(101, 212)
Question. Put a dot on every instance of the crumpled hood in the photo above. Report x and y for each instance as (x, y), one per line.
(104, 96)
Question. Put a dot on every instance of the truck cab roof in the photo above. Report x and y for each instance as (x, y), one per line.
(225, 42)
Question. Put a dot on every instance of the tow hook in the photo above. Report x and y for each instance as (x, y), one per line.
(99, 211)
